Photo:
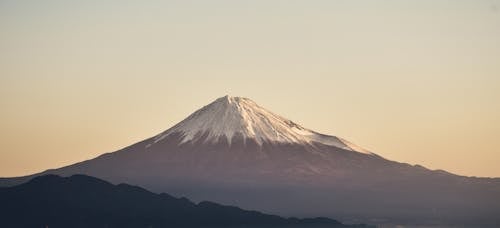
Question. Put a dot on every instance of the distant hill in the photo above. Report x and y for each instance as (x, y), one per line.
(84, 201)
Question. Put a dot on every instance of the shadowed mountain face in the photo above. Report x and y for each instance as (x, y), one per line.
(233, 151)
(83, 201)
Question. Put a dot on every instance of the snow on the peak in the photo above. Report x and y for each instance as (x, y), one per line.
(228, 116)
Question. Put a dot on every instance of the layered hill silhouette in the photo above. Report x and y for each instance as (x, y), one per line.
(83, 201)
(235, 152)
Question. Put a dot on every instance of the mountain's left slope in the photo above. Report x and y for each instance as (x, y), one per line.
(83, 201)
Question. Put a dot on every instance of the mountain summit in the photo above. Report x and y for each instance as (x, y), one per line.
(238, 117)
(235, 152)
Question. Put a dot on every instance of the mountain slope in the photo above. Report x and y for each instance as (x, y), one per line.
(235, 152)
(83, 201)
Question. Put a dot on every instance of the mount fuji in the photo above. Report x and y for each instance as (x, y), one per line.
(233, 151)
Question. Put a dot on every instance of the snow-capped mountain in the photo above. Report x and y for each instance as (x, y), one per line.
(235, 152)
(230, 117)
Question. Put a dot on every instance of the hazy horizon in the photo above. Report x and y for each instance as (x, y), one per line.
(413, 81)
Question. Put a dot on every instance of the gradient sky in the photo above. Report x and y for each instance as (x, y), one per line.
(414, 81)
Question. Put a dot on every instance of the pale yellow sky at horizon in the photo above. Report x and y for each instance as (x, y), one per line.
(413, 81)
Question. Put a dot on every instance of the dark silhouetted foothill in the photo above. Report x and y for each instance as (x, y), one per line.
(83, 201)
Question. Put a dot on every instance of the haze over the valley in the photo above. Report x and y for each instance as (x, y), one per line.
(413, 81)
